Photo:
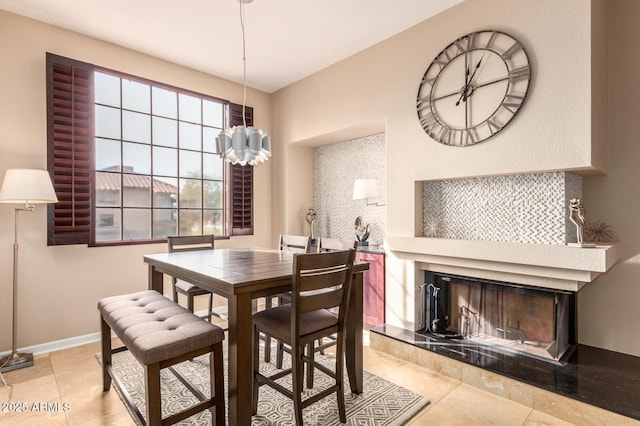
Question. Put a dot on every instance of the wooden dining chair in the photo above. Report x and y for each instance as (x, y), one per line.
(328, 245)
(294, 244)
(334, 244)
(320, 282)
(191, 291)
(324, 245)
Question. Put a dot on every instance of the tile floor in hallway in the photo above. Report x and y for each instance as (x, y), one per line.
(68, 382)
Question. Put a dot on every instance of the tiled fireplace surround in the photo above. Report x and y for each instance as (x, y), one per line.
(514, 229)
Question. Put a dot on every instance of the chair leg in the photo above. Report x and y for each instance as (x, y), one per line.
(175, 291)
(105, 332)
(340, 379)
(152, 394)
(297, 370)
(279, 354)
(190, 302)
(268, 303)
(217, 381)
(256, 369)
(310, 370)
(210, 307)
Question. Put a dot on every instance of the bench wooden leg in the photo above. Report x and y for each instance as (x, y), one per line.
(105, 333)
(152, 394)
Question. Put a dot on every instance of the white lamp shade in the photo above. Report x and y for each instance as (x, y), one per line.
(27, 186)
(365, 188)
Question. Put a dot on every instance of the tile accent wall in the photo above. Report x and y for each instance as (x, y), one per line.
(335, 168)
(518, 208)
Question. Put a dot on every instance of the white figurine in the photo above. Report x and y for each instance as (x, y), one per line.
(577, 217)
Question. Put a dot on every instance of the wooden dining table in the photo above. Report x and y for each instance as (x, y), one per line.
(243, 275)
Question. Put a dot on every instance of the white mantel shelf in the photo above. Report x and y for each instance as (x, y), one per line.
(544, 265)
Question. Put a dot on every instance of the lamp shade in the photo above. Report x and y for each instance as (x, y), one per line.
(27, 186)
(243, 145)
(365, 188)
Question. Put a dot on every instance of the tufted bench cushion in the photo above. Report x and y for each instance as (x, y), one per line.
(155, 328)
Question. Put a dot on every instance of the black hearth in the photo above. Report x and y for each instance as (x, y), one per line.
(533, 321)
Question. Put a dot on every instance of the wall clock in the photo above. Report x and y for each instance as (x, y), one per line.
(473, 88)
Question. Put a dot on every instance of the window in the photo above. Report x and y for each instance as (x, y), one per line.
(156, 172)
(133, 160)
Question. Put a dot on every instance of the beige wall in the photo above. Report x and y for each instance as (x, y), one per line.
(60, 286)
(379, 85)
(608, 308)
(562, 126)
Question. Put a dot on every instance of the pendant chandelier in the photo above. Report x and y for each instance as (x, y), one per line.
(241, 144)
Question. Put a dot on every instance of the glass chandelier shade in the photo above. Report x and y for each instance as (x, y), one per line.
(244, 145)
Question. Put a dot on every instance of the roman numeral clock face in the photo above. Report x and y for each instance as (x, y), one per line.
(473, 88)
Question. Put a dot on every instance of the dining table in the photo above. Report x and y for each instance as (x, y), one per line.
(242, 275)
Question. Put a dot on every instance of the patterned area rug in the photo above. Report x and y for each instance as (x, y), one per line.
(381, 403)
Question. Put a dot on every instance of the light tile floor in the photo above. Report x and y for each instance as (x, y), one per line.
(64, 388)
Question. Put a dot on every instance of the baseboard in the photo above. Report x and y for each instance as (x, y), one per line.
(76, 341)
(59, 344)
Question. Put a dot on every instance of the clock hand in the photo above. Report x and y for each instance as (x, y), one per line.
(466, 84)
(482, 63)
(448, 95)
(488, 83)
(463, 95)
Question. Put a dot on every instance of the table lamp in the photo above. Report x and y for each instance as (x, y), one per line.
(28, 187)
(365, 189)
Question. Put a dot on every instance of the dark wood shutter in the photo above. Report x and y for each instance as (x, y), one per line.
(241, 182)
(70, 149)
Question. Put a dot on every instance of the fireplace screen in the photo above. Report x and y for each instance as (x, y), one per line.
(531, 320)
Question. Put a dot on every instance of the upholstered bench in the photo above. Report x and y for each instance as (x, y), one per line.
(160, 333)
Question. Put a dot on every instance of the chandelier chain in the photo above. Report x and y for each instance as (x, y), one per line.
(244, 65)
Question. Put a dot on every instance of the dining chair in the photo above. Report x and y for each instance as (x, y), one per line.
(294, 244)
(191, 291)
(320, 282)
(324, 245)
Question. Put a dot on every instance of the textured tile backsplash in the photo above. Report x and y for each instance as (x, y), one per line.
(336, 167)
(529, 208)
(520, 208)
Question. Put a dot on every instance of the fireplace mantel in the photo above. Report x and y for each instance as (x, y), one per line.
(544, 265)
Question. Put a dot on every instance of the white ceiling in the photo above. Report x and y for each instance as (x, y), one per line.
(286, 40)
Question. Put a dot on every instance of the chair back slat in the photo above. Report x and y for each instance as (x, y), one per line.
(321, 281)
(322, 300)
(190, 242)
(334, 244)
(294, 243)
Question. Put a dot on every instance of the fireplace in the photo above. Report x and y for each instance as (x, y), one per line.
(533, 321)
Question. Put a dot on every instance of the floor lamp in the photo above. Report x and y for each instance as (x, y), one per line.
(28, 187)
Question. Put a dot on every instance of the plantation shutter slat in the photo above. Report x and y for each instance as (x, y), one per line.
(241, 182)
(70, 149)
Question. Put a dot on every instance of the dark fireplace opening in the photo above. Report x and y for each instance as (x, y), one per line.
(534, 321)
